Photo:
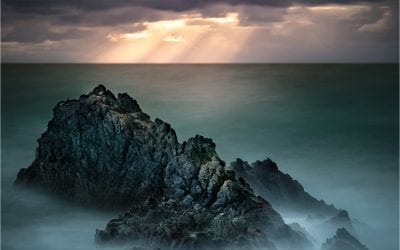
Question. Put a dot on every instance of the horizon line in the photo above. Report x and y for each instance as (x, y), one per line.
(199, 63)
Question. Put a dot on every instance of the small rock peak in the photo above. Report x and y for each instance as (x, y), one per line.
(201, 140)
(266, 164)
(100, 89)
(240, 166)
(200, 149)
(343, 213)
(127, 104)
(342, 216)
(343, 238)
(342, 232)
(342, 219)
(240, 162)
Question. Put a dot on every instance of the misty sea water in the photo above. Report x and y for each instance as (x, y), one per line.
(333, 127)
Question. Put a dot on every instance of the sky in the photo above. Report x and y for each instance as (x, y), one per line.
(195, 31)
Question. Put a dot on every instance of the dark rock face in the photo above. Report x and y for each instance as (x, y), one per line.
(343, 240)
(104, 149)
(280, 189)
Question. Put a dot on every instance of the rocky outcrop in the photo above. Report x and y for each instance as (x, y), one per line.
(280, 189)
(103, 149)
(343, 240)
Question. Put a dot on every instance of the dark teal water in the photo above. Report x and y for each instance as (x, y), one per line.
(332, 127)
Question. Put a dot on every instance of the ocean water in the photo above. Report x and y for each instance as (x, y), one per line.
(334, 128)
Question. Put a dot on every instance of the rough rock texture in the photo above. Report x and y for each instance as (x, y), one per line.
(103, 149)
(280, 189)
(343, 240)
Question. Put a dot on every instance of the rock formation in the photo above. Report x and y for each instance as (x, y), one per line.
(280, 189)
(343, 240)
(103, 149)
(288, 195)
(340, 220)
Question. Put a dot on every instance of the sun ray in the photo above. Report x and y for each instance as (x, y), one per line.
(190, 38)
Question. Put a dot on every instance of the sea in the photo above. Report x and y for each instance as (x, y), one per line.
(332, 127)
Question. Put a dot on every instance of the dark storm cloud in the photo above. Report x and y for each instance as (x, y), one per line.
(109, 17)
(70, 23)
(39, 32)
(70, 15)
(253, 15)
(323, 41)
(51, 7)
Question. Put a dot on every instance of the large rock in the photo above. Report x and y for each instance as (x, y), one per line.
(343, 240)
(280, 189)
(100, 148)
(103, 149)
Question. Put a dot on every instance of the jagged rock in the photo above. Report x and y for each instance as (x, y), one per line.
(280, 189)
(340, 220)
(104, 150)
(343, 240)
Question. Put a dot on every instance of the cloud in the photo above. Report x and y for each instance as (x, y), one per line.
(326, 33)
(258, 30)
(128, 36)
(254, 15)
(173, 39)
(51, 7)
(72, 23)
(39, 32)
(380, 25)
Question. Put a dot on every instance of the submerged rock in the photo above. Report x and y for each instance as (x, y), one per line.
(280, 189)
(104, 150)
(343, 240)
